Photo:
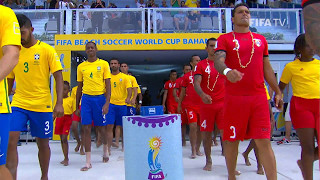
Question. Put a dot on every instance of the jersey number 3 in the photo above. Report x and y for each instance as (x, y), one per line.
(26, 67)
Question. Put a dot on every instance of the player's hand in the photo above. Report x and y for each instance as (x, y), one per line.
(234, 76)
(278, 101)
(105, 108)
(164, 107)
(138, 107)
(128, 101)
(77, 112)
(206, 98)
(58, 111)
(133, 102)
(179, 109)
(176, 99)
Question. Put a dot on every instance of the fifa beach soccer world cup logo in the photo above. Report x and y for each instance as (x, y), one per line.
(153, 157)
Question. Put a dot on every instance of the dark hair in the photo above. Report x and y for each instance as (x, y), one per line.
(66, 83)
(92, 43)
(116, 59)
(186, 65)
(24, 21)
(210, 39)
(124, 63)
(172, 71)
(238, 5)
(191, 58)
(299, 44)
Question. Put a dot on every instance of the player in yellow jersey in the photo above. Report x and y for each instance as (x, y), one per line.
(94, 90)
(63, 123)
(121, 90)
(304, 75)
(75, 124)
(32, 100)
(10, 42)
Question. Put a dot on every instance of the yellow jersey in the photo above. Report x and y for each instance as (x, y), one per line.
(32, 75)
(134, 83)
(119, 85)
(68, 105)
(139, 90)
(191, 3)
(93, 76)
(9, 35)
(304, 77)
(74, 97)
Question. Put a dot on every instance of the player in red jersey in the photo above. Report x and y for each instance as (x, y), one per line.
(176, 94)
(168, 101)
(209, 85)
(192, 103)
(311, 19)
(242, 56)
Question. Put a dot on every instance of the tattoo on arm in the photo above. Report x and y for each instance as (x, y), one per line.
(197, 87)
(219, 58)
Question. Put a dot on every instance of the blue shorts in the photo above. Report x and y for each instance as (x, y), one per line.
(131, 111)
(91, 110)
(4, 136)
(41, 123)
(115, 114)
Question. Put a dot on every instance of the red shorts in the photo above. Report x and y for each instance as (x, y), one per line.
(211, 114)
(184, 118)
(193, 114)
(304, 113)
(246, 117)
(63, 125)
(75, 117)
(172, 108)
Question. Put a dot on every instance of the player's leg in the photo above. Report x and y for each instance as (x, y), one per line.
(4, 136)
(117, 137)
(18, 121)
(267, 157)
(311, 14)
(231, 155)
(193, 138)
(245, 154)
(207, 140)
(215, 133)
(122, 111)
(75, 131)
(65, 149)
(184, 122)
(110, 117)
(44, 155)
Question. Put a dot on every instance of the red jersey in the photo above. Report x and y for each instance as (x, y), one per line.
(252, 82)
(191, 98)
(304, 3)
(215, 88)
(169, 85)
(178, 85)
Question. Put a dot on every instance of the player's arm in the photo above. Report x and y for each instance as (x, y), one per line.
(107, 94)
(176, 98)
(232, 75)
(129, 93)
(58, 108)
(78, 97)
(205, 97)
(271, 80)
(9, 60)
(134, 97)
(181, 97)
(139, 101)
(164, 99)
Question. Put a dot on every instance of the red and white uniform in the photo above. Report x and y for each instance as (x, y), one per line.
(246, 110)
(171, 103)
(191, 100)
(184, 118)
(211, 113)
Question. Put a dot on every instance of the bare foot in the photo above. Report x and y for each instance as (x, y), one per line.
(65, 162)
(260, 171)
(99, 143)
(199, 153)
(105, 159)
(215, 143)
(82, 152)
(237, 173)
(208, 166)
(115, 145)
(86, 168)
(184, 143)
(246, 159)
(77, 148)
(193, 156)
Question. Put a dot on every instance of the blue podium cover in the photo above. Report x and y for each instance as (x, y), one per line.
(152, 147)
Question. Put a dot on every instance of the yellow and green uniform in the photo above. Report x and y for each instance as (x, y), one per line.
(134, 83)
(119, 85)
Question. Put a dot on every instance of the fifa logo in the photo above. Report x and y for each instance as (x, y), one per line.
(153, 159)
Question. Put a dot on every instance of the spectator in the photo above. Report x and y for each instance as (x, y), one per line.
(11, 4)
(181, 19)
(65, 4)
(193, 20)
(159, 18)
(97, 17)
(204, 4)
(140, 4)
(39, 4)
(192, 3)
(175, 3)
(164, 4)
(183, 4)
(114, 21)
(84, 5)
